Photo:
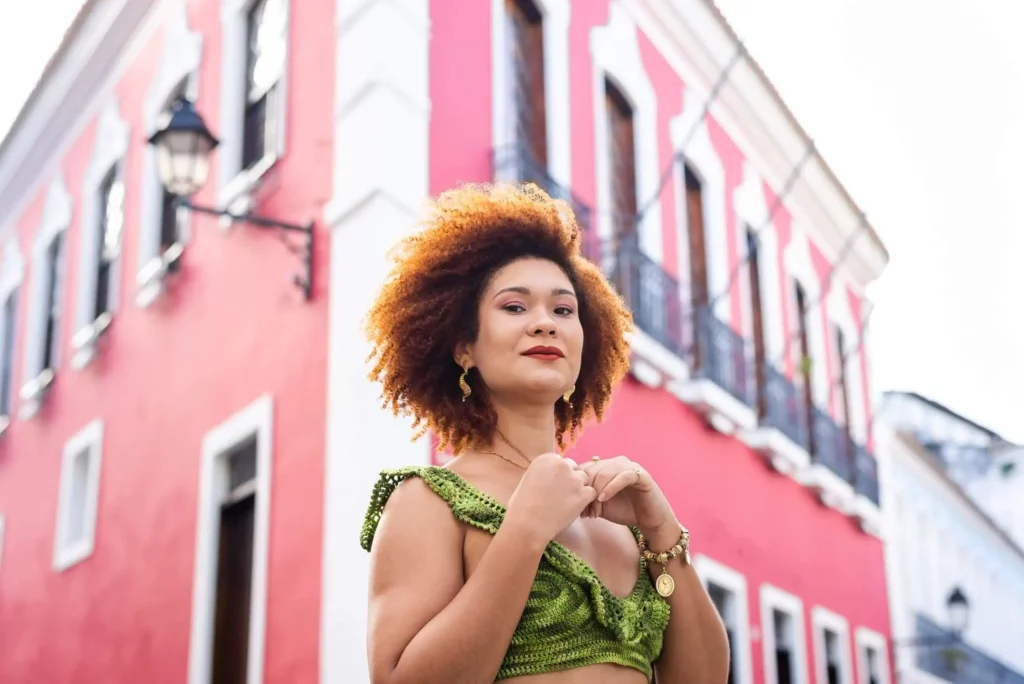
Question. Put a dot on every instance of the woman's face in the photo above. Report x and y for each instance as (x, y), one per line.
(530, 340)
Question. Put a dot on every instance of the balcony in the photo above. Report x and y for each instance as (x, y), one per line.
(722, 384)
(865, 484)
(957, 662)
(782, 435)
(830, 473)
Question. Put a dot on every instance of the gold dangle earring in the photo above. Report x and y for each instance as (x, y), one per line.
(568, 395)
(463, 385)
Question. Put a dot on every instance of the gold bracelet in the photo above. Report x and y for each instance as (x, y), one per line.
(665, 584)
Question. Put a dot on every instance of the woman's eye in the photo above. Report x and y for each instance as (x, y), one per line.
(563, 311)
(514, 308)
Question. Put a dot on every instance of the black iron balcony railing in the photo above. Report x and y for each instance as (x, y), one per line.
(832, 446)
(650, 292)
(942, 654)
(724, 357)
(517, 163)
(866, 474)
(784, 407)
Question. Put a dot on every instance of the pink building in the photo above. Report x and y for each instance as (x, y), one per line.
(189, 444)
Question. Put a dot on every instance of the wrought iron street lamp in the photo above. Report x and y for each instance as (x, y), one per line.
(959, 611)
(183, 148)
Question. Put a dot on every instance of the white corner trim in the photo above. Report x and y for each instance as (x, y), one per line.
(736, 583)
(254, 420)
(555, 25)
(773, 598)
(615, 52)
(689, 128)
(236, 184)
(56, 214)
(822, 619)
(86, 443)
(179, 63)
(868, 638)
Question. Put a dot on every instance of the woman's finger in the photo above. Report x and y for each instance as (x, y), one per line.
(625, 478)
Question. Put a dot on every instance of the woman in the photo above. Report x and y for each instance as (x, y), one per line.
(513, 563)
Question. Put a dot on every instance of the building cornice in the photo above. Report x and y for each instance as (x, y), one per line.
(751, 111)
(52, 116)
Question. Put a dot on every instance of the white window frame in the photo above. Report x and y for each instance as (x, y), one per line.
(36, 380)
(254, 420)
(109, 152)
(690, 128)
(773, 598)
(865, 638)
(822, 619)
(711, 571)
(615, 52)
(800, 267)
(12, 275)
(840, 315)
(179, 62)
(236, 185)
(751, 210)
(555, 27)
(88, 440)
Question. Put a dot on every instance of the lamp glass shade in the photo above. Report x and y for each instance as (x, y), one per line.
(959, 610)
(183, 161)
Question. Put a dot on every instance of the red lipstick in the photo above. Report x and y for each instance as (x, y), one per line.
(544, 353)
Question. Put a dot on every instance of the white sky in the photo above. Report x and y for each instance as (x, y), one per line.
(918, 105)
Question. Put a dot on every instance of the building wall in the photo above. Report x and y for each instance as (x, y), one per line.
(936, 540)
(229, 329)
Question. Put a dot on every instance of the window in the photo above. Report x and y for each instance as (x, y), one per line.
(230, 590)
(841, 380)
(696, 232)
(806, 362)
(728, 591)
(526, 43)
(831, 647)
(783, 637)
(9, 321)
(54, 288)
(757, 320)
(79, 492)
(266, 37)
(45, 304)
(622, 162)
(111, 223)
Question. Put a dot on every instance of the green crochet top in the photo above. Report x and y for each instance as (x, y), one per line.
(571, 619)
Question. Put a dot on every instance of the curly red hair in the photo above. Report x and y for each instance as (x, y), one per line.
(429, 305)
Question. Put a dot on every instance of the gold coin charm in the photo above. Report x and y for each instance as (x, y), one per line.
(665, 585)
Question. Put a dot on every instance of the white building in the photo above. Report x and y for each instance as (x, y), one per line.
(953, 496)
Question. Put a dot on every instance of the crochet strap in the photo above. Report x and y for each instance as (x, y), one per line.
(468, 504)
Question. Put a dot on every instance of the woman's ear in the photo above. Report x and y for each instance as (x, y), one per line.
(463, 356)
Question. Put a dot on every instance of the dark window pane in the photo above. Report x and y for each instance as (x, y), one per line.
(7, 352)
(54, 291)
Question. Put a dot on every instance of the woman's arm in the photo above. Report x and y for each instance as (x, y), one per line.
(426, 624)
(696, 648)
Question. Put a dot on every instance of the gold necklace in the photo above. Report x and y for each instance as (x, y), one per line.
(513, 447)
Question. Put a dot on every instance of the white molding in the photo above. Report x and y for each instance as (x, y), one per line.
(12, 275)
(110, 149)
(381, 112)
(179, 62)
(784, 455)
(773, 598)
(86, 443)
(615, 52)
(254, 420)
(690, 128)
(235, 184)
(736, 583)
(12, 267)
(555, 26)
(822, 619)
(865, 638)
(55, 221)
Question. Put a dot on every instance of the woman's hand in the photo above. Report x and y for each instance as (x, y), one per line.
(627, 495)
